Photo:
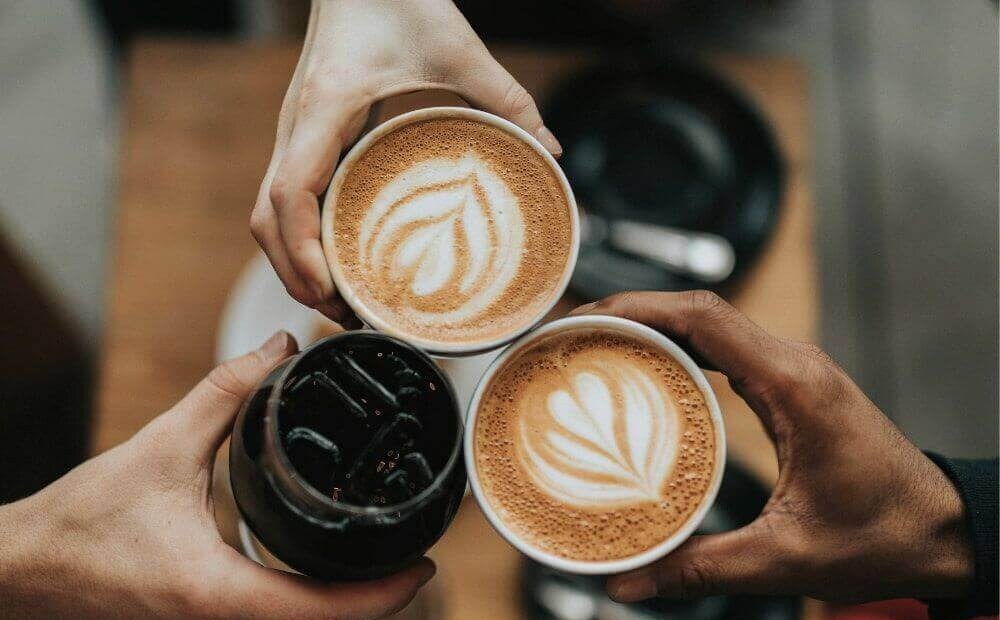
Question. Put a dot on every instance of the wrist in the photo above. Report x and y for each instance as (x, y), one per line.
(948, 567)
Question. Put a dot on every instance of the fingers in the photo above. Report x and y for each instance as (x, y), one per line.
(306, 279)
(710, 328)
(487, 85)
(264, 227)
(745, 561)
(324, 124)
(258, 592)
(205, 415)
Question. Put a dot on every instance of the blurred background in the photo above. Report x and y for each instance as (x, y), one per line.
(902, 155)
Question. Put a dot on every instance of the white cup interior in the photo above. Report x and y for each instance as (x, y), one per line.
(609, 566)
(347, 291)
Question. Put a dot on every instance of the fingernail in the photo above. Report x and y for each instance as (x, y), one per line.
(429, 570)
(549, 141)
(276, 346)
(584, 309)
(633, 588)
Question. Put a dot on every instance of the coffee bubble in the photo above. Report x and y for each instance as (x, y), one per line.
(452, 230)
(593, 445)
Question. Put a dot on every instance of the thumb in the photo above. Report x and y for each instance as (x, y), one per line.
(487, 85)
(205, 415)
(738, 562)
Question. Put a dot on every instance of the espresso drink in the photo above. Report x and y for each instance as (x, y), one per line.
(593, 445)
(451, 230)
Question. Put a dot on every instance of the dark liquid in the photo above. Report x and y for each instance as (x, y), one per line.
(367, 423)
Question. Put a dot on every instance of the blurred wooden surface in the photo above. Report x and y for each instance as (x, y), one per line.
(198, 130)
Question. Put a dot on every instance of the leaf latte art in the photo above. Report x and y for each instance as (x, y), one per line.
(608, 437)
(446, 230)
(450, 232)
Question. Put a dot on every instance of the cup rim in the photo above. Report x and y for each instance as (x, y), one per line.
(344, 288)
(603, 567)
(304, 491)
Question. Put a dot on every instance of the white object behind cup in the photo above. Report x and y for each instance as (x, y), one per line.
(347, 291)
(652, 337)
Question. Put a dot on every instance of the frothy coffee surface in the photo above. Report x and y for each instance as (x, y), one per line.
(593, 445)
(452, 230)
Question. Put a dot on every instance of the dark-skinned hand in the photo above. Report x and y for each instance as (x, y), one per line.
(858, 512)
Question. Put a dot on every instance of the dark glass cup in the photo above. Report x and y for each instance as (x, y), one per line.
(346, 461)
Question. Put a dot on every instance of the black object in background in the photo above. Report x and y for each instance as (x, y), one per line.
(553, 595)
(45, 388)
(346, 462)
(668, 143)
(126, 19)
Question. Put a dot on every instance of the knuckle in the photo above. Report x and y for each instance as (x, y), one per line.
(516, 100)
(225, 379)
(311, 92)
(258, 223)
(802, 378)
(619, 304)
(281, 191)
(707, 302)
(695, 579)
(336, 86)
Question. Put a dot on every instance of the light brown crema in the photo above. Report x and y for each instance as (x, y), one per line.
(453, 263)
(593, 445)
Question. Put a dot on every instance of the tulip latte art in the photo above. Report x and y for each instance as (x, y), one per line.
(453, 231)
(594, 445)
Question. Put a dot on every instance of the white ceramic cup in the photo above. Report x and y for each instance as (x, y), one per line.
(653, 338)
(343, 284)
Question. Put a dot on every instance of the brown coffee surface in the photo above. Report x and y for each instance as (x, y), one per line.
(452, 230)
(594, 445)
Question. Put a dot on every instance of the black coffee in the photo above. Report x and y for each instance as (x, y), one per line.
(363, 425)
(346, 463)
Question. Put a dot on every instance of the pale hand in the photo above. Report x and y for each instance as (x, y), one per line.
(356, 53)
(131, 533)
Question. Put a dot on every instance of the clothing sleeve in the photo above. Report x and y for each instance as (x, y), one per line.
(977, 484)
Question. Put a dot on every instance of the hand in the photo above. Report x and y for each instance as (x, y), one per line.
(131, 533)
(357, 52)
(858, 512)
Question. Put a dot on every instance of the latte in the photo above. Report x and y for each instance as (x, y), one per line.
(594, 444)
(450, 231)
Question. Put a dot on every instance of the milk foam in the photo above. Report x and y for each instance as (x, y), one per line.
(608, 437)
(593, 445)
(452, 231)
(417, 222)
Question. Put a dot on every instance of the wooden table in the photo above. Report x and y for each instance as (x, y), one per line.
(198, 130)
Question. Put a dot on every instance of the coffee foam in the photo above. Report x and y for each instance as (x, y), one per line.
(593, 445)
(453, 230)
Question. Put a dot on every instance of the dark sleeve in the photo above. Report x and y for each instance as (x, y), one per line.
(977, 483)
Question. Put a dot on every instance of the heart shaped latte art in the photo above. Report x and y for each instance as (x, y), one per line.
(448, 235)
(608, 437)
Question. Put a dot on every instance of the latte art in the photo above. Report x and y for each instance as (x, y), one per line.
(450, 232)
(610, 437)
(592, 444)
(444, 228)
